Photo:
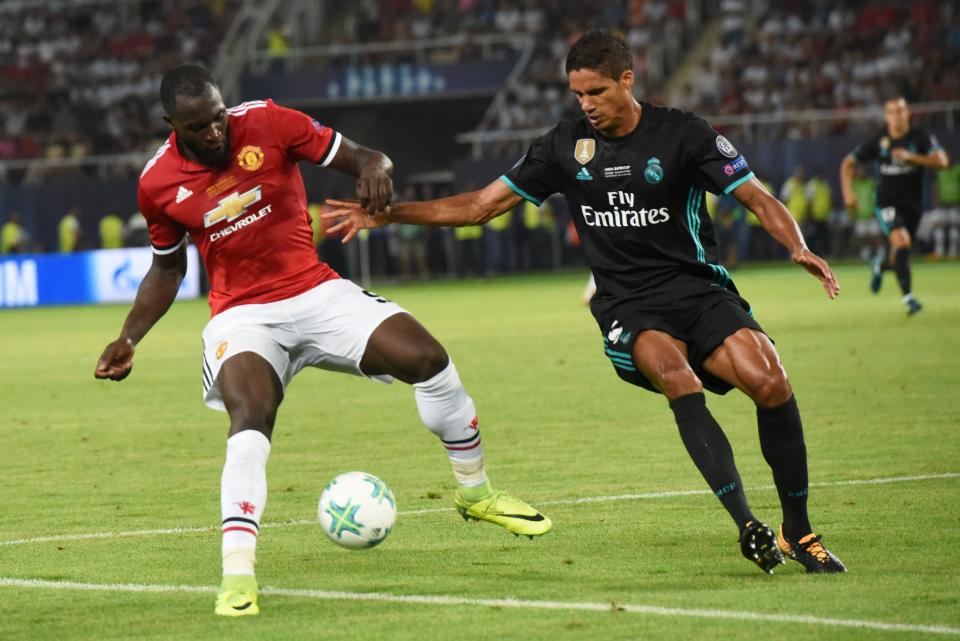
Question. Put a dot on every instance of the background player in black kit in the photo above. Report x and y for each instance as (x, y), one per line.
(902, 153)
(672, 321)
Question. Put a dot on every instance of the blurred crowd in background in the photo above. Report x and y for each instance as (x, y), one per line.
(82, 79)
(79, 79)
(542, 238)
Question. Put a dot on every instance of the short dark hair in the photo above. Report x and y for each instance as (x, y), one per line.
(601, 51)
(185, 80)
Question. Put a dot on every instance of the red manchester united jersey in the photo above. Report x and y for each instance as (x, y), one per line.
(250, 220)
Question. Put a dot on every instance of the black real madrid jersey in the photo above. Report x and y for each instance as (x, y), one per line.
(637, 201)
(900, 183)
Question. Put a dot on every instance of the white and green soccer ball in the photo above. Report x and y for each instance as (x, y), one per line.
(357, 510)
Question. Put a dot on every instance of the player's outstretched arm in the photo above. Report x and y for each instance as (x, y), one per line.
(847, 168)
(778, 222)
(469, 208)
(154, 297)
(372, 169)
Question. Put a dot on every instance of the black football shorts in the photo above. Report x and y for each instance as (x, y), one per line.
(702, 316)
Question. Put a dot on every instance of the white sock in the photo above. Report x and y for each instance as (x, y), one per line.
(448, 411)
(243, 496)
(940, 242)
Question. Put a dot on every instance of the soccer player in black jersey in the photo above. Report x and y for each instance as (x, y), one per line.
(671, 319)
(902, 153)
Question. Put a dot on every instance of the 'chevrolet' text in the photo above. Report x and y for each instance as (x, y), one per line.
(240, 224)
(622, 213)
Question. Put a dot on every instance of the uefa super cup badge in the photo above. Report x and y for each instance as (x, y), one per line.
(250, 158)
(653, 174)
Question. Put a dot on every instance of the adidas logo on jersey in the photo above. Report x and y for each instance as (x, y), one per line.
(584, 174)
(182, 194)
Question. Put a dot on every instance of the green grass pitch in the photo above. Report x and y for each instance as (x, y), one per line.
(877, 391)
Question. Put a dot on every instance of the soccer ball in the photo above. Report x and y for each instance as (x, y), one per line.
(357, 510)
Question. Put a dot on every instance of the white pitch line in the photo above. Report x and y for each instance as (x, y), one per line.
(439, 599)
(566, 501)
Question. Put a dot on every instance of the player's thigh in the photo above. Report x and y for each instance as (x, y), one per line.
(255, 340)
(348, 329)
(403, 348)
(748, 360)
(251, 391)
(662, 358)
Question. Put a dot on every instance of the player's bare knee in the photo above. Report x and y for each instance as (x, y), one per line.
(432, 360)
(773, 390)
(677, 382)
(251, 414)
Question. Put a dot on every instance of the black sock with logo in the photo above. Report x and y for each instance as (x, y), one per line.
(783, 447)
(711, 453)
(901, 263)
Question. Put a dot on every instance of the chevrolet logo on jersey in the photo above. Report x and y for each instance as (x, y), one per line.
(231, 207)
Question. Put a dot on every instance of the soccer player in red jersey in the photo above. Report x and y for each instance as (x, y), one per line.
(229, 180)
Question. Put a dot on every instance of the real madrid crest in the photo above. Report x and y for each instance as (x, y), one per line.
(885, 143)
(653, 174)
(585, 150)
(250, 158)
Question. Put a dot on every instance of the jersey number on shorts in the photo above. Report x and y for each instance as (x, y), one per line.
(376, 297)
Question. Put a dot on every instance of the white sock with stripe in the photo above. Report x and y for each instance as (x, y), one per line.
(243, 497)
(448, 411)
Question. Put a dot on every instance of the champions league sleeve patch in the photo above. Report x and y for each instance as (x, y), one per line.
(726, 148)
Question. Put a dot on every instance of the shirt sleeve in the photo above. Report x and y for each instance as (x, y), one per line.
(303, 137)
(166, 235)
(867, 151)
(720, 166)
(533, 176)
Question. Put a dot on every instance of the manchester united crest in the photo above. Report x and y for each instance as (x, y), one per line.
(250, 158)
(585, 149)
(221, 348)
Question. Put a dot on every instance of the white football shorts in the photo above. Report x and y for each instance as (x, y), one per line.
(327, 327)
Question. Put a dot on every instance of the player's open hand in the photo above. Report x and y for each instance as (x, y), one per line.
(116, 362)
(351, 217)
(820, 269)
(375, 190)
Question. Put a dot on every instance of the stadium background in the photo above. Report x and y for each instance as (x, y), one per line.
(454, 91)
(110, 497)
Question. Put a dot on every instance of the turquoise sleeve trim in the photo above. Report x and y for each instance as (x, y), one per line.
(521, 192)
(737, 183)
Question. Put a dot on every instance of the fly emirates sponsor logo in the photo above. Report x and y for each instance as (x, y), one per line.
(233, 207)
(622, 212)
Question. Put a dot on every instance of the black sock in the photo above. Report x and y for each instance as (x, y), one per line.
(902, 266)
(781, 441)
(710, 451)
(885, 256)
